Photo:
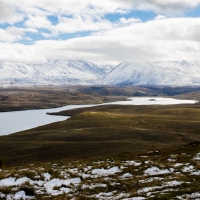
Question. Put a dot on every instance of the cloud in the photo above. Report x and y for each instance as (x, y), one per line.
(162, 6)
(20, 52)
(160, 17)
(11, 34)
(14, 31)
(13, 11)
(125, 21)
(14, 34)
(31, 30)
(79, 24)
(71, 7)
(8, 13)
(37, 22)
(75, 24)
(163, 39)
(75, 16)
(108, 6)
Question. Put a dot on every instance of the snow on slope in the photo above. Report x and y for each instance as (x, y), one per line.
(51, 73)
(155, 73)
(78, 72)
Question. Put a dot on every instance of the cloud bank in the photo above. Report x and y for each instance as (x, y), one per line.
(106, 31)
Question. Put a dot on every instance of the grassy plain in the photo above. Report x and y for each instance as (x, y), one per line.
(104, 131)
(101, 130)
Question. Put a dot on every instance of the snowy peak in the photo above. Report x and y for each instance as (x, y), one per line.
(79, 72)
(51, 73)
(155, 73)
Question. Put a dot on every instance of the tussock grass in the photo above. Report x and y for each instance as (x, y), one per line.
(106, 130)
(28, 189)
(157, 186)
(6, 190)
(102, 138)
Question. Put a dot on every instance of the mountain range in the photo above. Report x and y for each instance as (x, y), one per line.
(78, 72)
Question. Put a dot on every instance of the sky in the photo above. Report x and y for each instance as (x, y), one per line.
(99, 31)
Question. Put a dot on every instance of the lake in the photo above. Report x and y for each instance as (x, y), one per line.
(153, 101)
(11, 122)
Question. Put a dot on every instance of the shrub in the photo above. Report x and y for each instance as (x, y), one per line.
(29, 190)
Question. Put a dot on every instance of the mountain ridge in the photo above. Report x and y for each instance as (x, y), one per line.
(79, 72)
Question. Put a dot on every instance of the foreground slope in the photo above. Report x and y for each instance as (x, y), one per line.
(172, 174)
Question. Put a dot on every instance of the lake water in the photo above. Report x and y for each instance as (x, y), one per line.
(153, 101)
(11, 122)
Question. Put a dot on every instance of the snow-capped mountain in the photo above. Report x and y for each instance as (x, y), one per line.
(78, 72)
(155, 73)
(51, 73)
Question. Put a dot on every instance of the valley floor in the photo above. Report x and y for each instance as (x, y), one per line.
(105, 152)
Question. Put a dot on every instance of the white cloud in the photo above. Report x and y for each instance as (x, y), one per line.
(49, 35)
(13, 11)
(14, 34)
(11, 34)
(106, 6)
(37, 22)
(164, 39)
(72, 6)
(79, 23)
(111, 42)
(86, 15)
(8, 13)
(128, 21)
(14, 31)
(19, 52)
(162, 6)
(160, 17)
(75, 24)
(31, 30)
(28, 39)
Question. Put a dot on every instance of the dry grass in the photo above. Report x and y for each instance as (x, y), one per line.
(25, 98)
(155, 186)
(104, 130)
(104, 137)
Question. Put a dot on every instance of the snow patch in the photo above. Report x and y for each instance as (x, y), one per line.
(156, 171)
(47, 176)
(104, 172)
(12, 181)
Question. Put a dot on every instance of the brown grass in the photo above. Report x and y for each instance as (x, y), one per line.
(104, 131)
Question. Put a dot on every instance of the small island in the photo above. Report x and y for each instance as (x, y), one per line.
(152, 100)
